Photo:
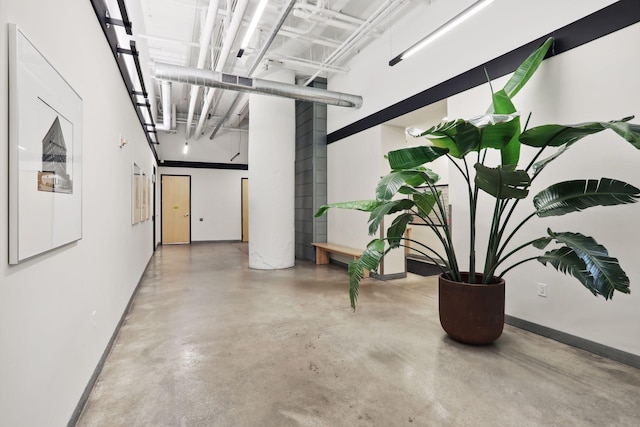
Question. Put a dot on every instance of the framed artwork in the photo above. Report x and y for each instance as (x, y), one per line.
(149, 207)
(45, 154)
(136, 196)
(143, 188)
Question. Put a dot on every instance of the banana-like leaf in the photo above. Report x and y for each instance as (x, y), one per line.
(409, 158)
(540, 165)
(575, 196)
(558, 135)
(510, 152)
(357, 205)
(407, 190)
(441, 129)
(369, 260)
(541, 243)
(503, 182)
(427, 176)
(391, 183)
(397, 229)
(425, 202)
(496, 130)
(566, 261)
(502, 103)
(524, 72)
(607, 274)
(458, 136)
(387, 208)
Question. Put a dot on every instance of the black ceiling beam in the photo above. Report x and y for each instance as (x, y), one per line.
(617, 16)
(106, 23)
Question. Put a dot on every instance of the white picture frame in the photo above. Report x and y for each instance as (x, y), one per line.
(136, 194)
(45, 154)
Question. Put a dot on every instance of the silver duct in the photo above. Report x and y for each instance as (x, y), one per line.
(210, 78)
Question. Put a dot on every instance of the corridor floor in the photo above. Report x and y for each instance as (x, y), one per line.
(209, 342)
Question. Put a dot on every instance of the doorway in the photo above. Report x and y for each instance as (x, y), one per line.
(245, 209)
(175, 199)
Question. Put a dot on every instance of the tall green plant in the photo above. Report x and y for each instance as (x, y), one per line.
(410, 191)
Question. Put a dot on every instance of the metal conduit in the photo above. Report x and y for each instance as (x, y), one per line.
(215, 79)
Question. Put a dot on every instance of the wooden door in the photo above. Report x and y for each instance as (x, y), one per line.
(176, 209)
(245, 209)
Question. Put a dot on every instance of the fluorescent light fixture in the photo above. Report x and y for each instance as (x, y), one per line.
(448, 26)
(185, 150)
(252, 26)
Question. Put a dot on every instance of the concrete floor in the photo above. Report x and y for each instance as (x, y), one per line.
(209, 342)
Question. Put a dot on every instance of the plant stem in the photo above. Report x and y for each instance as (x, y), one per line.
(524, 221)
(473, 199)
(494, 241)
(517, 264)
(519, 248)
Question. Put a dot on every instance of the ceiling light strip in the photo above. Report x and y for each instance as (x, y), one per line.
(252, 26)
(443, 29)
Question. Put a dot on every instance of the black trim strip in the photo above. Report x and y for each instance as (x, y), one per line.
(75, 416)
(612, 18)
(202, 165)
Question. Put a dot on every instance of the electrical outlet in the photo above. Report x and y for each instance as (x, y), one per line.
(542, 290)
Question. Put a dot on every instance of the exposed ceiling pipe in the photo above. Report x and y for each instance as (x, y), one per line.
(380, 13)
(263, 50)
(321, 19)
(235, 101)
(209, 78)
(240, 113)
(329, 13)
(272, 35)
(205, 40)
(305, 64)
(232, 33)
(166, 107)
(301, 36)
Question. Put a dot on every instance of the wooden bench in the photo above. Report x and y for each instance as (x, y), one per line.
(324, 249)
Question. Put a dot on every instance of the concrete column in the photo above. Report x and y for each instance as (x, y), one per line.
(272, 178)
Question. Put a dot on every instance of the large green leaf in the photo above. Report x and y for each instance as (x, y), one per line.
(391, 183)
(502, 103)
(509, 152)
(557, 135)
(409, 158)
(607, 274)
(357, 205)
(575, 196)
(503, 182)
(369, 260)
(387, 208)
(566, 261)
(397, 229)
(540, 165)
(458, 136)
(425, 202)
(496, 130)
(524, 72)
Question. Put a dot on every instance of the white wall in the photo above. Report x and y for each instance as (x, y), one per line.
(604, 85)
(219, 150)
(500, 28)
(59, 310)
(216, 197)
(353, 170)
(592, 82)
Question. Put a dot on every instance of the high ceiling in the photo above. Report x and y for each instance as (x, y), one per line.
(314, 38)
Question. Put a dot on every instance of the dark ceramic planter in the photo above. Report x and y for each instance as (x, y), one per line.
(471, 314)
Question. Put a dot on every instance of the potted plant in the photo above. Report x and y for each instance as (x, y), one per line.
(472, 303)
